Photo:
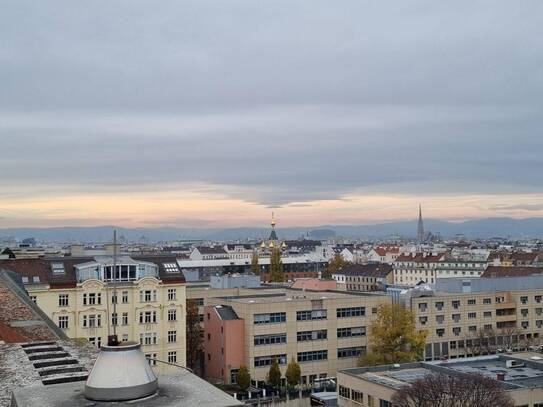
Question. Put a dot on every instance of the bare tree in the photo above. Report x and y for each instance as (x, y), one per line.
(439, 390)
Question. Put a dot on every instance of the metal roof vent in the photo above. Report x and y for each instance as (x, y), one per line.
(121, 372)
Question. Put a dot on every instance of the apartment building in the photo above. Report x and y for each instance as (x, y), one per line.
(411, 269)
(520, 374)
(450, 267)
(324, 331)
(467, 317)
(79, 295)
(364, 277)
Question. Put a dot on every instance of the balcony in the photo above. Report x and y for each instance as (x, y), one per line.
(506, 318)
(506, 305)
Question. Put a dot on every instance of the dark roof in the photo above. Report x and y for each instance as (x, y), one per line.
(211, 250)
(226, 313)
(21, 320)
(367, 270)
(513, 271)
(420, 258)
(42, 268)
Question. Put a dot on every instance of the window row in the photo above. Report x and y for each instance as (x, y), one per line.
(312, 356)
(267, 360)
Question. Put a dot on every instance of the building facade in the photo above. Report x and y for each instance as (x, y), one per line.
(323, 331)
(143, 301)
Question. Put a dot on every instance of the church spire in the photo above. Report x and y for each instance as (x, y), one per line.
(420, 229)
(273, 235)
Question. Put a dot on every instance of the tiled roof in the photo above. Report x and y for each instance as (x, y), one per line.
(367, 270)
(22, 320)
(502, 271)
(382, 251)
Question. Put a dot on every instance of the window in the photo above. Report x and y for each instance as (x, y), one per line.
(172, 336)
(384, 403)
(96, 341)
(312, 356)
(524, 299)
(456, 317)
(172, 294)
(440, 332)
(357, 396)
(151, 358)
(350, 332)
(92, 299)
(524, 324)
(58, 268)
(456, 331)
(148, 338)
(456, 304)
(472, 301)
(311, 315)
(36, 279)
(271, 318)
(63, 322)
(171, 267)
(147, 295)
(114, 299)
(487, 314)
(537, 298)
(439, 305)
(311, 335)
(199, 302)
(125, 318)
(267, 360)
(472, 315)
(344, 392)
(472, 328)
(63, 300)
(487, 301)
(172, 315)
(487, 327)
(440, 319)
(423, 306)
(524, 312)
(270, 339)
(350, 352)
(350, 312)
(92, 321)
(172, 356)
(125, 297)
(114, 318)
(148, 317)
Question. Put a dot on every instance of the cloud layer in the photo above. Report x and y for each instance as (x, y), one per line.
(272, 103)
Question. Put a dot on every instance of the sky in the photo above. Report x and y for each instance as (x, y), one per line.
(215, 113)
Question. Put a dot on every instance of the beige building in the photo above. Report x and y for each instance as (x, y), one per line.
(521, 375)
(324, 331)
(467, 317)
(78, 295)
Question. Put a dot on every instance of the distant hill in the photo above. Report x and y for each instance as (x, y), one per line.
(480, 228)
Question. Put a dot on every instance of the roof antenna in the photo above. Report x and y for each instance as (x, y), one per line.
(113, 340)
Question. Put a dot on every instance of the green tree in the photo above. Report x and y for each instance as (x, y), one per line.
(276, 267)
(195, 336)
(255, 268)
(274, 374)
(244, 378)
(334, 265)
(394, 338)
(293, 373)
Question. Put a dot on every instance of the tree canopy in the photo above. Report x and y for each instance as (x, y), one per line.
(274, 374)
(335, 264)
(255, 268)
(195, 335)
(439, 390)
(276, 267)
(244, 378)
(293, 374)
(394, 338)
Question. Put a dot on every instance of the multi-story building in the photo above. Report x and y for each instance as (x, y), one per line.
(324, 331)
(142, 300)
(452, 267)
(364, 277)
(520, 375)
(411, 269)
(384, 254)
(466, 317)
(208, 253)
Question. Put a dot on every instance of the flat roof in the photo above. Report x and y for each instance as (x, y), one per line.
(272, 295)
(527, 371)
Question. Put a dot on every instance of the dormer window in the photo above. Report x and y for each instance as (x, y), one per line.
(58, 268)
(171, 267)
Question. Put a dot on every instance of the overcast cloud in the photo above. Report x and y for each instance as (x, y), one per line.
(271, 101)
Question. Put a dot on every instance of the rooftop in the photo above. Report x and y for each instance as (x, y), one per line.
(523, 370)
(264, 296)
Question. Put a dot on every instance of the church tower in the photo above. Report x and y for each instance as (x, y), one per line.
(420, 229)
